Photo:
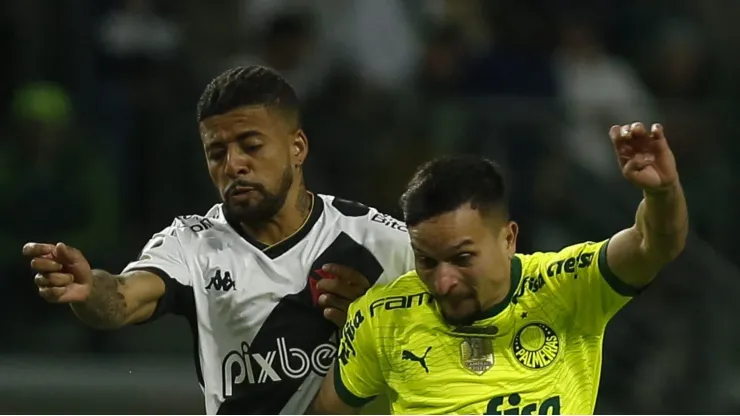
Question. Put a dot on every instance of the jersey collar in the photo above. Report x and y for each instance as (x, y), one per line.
(516, 276)
(276, 250)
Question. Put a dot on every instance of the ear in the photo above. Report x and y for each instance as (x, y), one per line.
(511, 232)
(299, 148)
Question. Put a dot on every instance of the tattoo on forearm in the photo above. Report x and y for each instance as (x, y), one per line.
(106, 305)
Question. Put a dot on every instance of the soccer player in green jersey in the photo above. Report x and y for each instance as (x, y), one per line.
(481, 329)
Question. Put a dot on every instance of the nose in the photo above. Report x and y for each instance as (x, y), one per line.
(237, 162)
(446, 277)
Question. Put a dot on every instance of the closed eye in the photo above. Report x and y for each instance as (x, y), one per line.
(252, 148)
(216, 154)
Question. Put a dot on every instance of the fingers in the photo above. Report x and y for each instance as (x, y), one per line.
(58, 267)
(44, 265)
(60, 252)
(614, 132)
(336, 316)
(37, 249)
(43, 280)
(638, 164)
(328, 300)
(52, 294)
(656, 131)
(54, 287)
(340, 288)
(632, 131)
(74, 262)
(628, 131)
(338, 294)
(347, 274)
(335, 308)
(67, 254)
(636, 131)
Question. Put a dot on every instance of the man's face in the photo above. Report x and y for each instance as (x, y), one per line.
(465, 260)
(252, 155)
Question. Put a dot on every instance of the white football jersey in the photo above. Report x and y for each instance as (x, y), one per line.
(262, 343)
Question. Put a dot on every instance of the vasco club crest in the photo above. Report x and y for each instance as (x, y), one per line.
(476, 354)
(536, 345)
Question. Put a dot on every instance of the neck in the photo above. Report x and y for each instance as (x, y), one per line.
(287, 221)
(497, 294)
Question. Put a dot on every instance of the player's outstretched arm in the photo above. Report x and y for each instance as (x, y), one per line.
(101, 300)
(119, 300)
(328, 402)
(636, 254)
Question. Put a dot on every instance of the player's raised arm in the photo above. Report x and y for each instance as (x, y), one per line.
(98, 298)
(635, 255)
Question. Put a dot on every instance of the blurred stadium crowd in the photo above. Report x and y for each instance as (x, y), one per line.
(100, 149)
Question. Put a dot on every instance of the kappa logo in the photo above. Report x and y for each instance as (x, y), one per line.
(223, 283)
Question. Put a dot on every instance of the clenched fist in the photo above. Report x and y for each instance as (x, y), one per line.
(63, 273)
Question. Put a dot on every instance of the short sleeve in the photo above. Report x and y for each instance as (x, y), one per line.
(581, 277)
(358, 377)
(390, 242)
(163, 255)
(385, 237)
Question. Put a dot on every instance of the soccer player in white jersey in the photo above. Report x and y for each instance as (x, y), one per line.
(264, 278)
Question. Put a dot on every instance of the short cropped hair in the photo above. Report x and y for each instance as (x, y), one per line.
(248, 86)
(447, 183)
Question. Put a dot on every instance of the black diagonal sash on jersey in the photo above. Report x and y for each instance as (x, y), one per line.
(296, 319)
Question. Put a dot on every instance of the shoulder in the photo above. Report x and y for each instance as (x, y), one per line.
(570, 259)
(363, 221)
(172, 249)
(188, 228)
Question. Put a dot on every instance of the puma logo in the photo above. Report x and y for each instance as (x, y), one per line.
(408, 355)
